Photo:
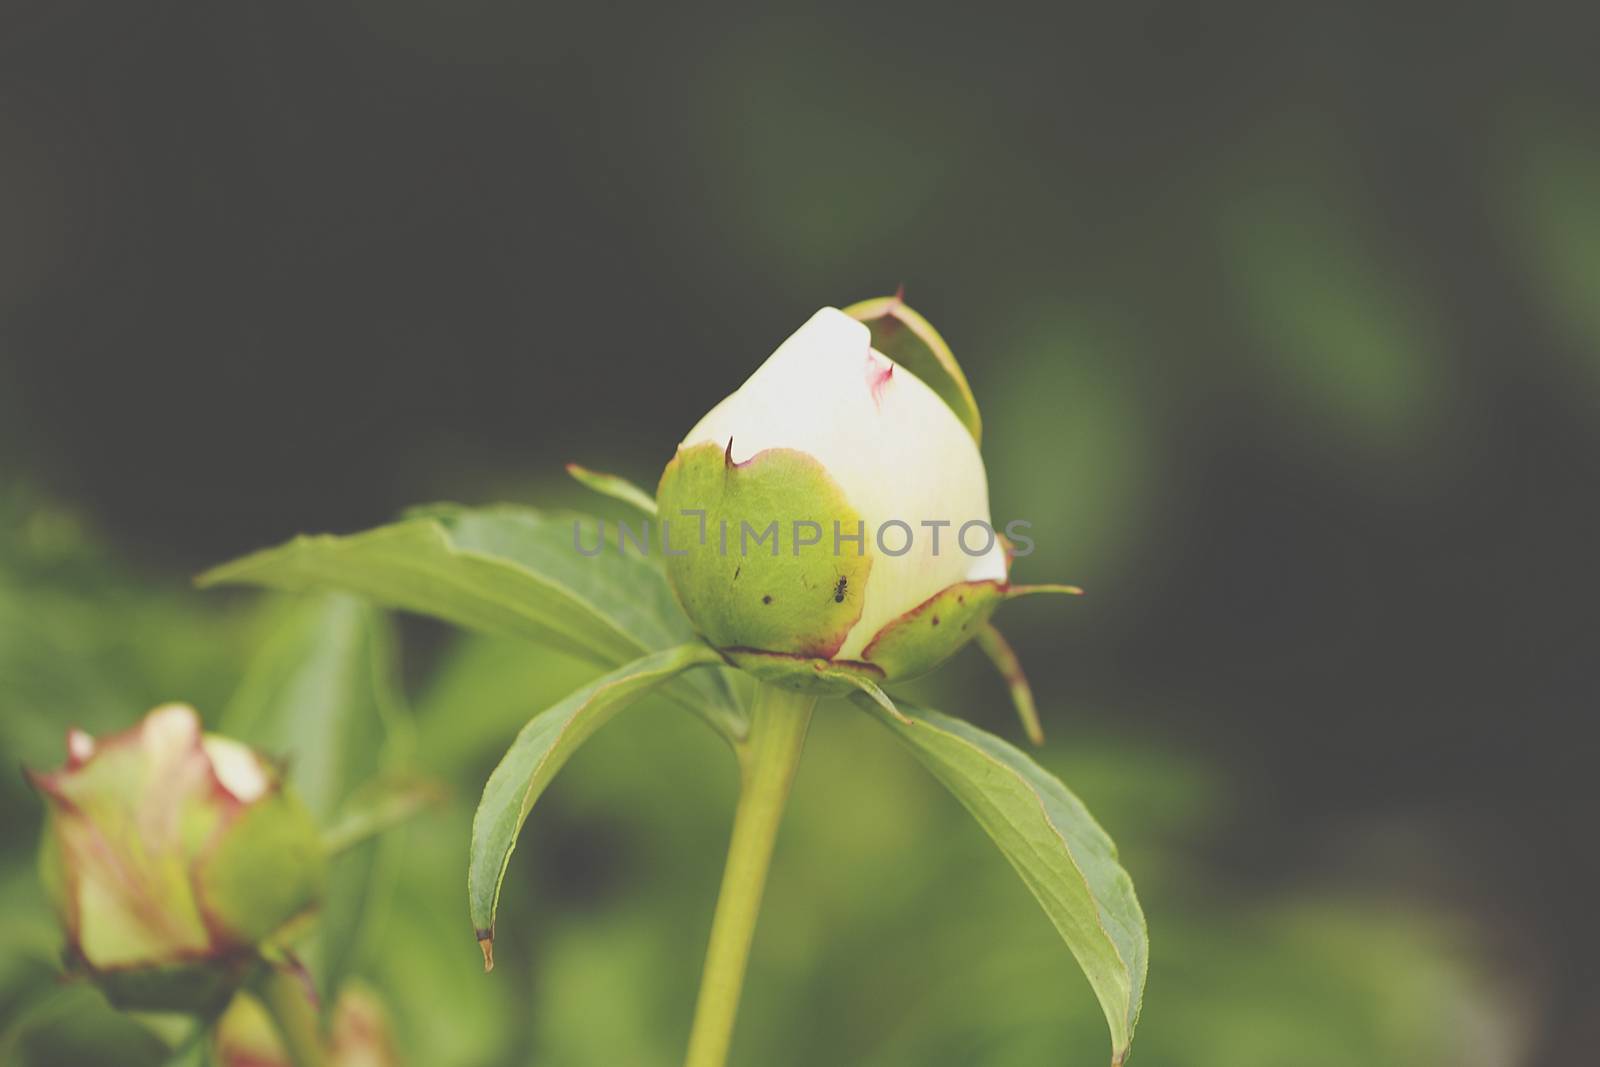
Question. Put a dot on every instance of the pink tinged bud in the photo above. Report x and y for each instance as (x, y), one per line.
(166, 848)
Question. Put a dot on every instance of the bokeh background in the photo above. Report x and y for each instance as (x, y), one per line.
(1286, 328)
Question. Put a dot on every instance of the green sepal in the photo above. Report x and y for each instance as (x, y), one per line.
(1004, 658)
(776, 594)
(197, 987)
(931, 632)
(268, 867)
(805, 674)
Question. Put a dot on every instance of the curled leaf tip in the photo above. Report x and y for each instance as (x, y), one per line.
(486, 943)
(900, 293)
(727, 453)
(882, 699)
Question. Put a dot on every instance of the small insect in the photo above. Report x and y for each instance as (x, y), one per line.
(841, 589)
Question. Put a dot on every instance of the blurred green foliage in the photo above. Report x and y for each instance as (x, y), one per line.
(893, 934)
(1552, 218)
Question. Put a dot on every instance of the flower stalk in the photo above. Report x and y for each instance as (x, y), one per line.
(768, 761)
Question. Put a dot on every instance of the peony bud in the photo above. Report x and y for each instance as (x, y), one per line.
(832, 516)
(170, 856)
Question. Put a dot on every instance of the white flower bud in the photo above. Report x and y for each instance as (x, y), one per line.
(170, 855)
(830, 430)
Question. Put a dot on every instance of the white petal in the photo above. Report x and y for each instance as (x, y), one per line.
(237, 767)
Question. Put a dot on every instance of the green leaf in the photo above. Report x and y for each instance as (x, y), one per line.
(1052, 841)
(501, 570)
(324, 695)
(381, 806)
(541, 749)
(73, 1024)
(911, 341)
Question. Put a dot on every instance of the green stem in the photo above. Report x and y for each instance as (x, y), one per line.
(295, 1015)
(769, 758)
